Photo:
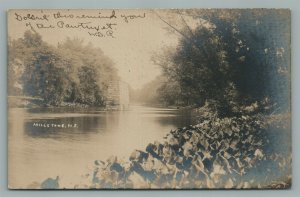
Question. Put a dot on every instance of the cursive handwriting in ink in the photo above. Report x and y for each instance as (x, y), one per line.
(97, 34)
(109, 26)
(131, 17)
(98, 24)
(87, 25)
(43, 26)
(30, 25)
(31, 17)
(108, 33)
(99, 16)
(58, 15)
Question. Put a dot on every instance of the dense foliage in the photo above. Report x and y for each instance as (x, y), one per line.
(235, 58)
(71, 73)
(235, 68)
(237, 152)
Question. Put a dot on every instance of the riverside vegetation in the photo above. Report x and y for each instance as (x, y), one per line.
(233, 68)
(235, 72)
(242, 152)
(237, 152)
(69, 74)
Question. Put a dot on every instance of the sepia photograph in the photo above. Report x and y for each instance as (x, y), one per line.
(149, 99)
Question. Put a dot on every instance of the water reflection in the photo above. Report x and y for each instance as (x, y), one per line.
(38, 153)
(49, 124)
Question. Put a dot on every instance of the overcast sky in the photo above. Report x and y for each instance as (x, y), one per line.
(131, 48)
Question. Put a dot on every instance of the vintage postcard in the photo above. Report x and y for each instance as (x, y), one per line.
(149, 99)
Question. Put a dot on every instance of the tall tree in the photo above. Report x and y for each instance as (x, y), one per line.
(71, 72)
(236, 57)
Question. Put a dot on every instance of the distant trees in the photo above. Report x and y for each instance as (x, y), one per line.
(71, 72)
(169, 93)
(160, 91)
(235, 59)
(148, 94)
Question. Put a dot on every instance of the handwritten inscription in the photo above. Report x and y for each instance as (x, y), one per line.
(31, 17)
(95, 25)
(131, 17)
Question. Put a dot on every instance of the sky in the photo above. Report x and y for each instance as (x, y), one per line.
(129, 43)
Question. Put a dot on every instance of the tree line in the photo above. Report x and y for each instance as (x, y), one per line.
(238, 60)
(71, 72)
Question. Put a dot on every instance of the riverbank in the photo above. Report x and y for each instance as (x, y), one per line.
(35, 102)
(237, 152)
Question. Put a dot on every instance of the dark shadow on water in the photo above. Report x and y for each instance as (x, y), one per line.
(177, 118)
(86, 123)
(72, 126)
(91, 110)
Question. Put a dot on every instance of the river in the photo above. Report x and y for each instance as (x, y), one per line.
(37, 152)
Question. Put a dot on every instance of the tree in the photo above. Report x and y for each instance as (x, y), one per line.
(89, 90)
(80, 56)
(45, 77)
(71, 72)
(169, 93)
(238, 57)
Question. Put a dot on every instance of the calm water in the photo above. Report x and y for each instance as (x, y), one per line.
(36, 153)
